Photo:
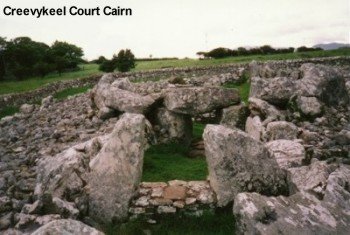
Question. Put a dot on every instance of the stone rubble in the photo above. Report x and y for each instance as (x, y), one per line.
(282, 159)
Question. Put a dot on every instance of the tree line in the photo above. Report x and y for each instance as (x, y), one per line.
(21, 58)
(222, 52)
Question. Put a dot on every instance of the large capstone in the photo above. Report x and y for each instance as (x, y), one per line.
(198, 100)
(117, 169)
(117, 96)
(239, 163)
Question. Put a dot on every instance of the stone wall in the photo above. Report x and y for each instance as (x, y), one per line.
(188, 72)
(176, 196)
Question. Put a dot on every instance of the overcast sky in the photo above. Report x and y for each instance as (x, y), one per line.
(181, 28)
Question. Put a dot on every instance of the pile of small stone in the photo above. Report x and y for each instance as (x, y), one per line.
(175, 196)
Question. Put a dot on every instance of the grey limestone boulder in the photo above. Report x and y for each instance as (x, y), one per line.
(198, 100)
(67, 227)
(288, 153)
(281, 130)
(235, 116)
(239, 163)
(277, 90)
(170, 126)
(301, 213)
(117, 169)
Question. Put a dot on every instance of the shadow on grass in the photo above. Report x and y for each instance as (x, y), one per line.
(218, 222)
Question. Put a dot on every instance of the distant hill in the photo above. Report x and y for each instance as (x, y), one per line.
(332, 46)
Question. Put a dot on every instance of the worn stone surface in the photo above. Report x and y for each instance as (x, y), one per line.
(68, 227)
(301, 213)
(26, 108)
(117, 169)
(311, 178)
(281, 130)
(239, 163)
(288, 153)
(264, 110)
(172, 127)
(254, 127)
(309, 106)
(323, 82)
(118, 96)
(276, 90)
(197, 100)
(175, 196)
(235, 116)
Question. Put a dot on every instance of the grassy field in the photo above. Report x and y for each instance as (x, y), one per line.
(70, 92)
(147, 65)
(36, 82)
(7, 87)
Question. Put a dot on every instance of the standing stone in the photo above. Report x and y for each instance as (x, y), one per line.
(239, 163)
(117, 169)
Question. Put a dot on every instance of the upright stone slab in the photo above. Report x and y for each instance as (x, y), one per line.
(239, 163)
(117, 169)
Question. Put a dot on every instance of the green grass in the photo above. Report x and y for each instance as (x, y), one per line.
(70, 91)
(220, 223)
(242, 88)
(8, 111)
(198, 129)
(92, 69)
(147, 65)
(169, 161)
(36, 82)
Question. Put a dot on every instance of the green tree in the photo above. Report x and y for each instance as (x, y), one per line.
(107, 66)
(21, 54)
(99, 60)
(124, 61)
(2, 58)
(66, 56)
(42, 68)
